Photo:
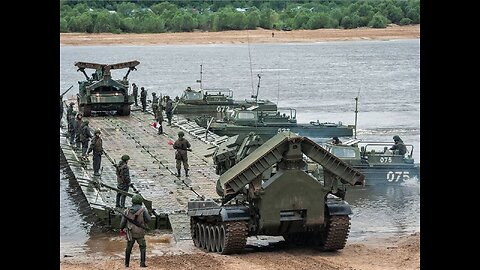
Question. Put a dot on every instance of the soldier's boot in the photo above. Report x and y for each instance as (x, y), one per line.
(186, 172)
(143, 253)
(178, 173)
(127, 257)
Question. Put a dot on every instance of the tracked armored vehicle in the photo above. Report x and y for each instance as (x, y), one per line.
(100, 92)
(266, 189)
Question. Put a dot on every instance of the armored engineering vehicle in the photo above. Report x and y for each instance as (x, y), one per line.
(380, 165)
(265, 189)
(100, 92)
(268, 123)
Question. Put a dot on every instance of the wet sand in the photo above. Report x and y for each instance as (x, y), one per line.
(399, 253)
(240, 37)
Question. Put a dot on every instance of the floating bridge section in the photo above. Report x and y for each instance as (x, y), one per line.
(152, 167)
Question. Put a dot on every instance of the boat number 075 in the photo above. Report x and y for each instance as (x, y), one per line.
(222, 108)
(397, 176)
(283, 130)
(386, 159)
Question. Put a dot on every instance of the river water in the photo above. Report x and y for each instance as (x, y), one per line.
(320, 80)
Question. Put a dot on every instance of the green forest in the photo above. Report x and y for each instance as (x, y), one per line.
(147, 16)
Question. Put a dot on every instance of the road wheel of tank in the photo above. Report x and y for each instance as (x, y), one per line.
(217, 238)
(210, 245)
(85, 110)
(336, 233)
(221, 238)
(235, 236)
(194, 231)
(214, 238)
(202, 235)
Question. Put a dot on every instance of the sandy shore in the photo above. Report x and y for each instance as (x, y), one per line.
(239, 37)
(399, 253)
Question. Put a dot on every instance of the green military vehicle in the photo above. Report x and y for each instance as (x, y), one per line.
(266, 189)
(100, 92)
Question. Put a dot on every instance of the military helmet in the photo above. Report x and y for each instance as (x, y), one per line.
(137, 199)
(396, 138)
(181, 134)
(125, 157)
(154, 94)
(97, 132)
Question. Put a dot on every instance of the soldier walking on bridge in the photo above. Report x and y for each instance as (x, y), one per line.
(169, 110)
(143, 99)
(159, 119)
(182, 146)
(123, 180)
(138, 214)
(135, 93)
(77, 125)
(97, 148)
(85, 137)
(71, 121)
(154, 104)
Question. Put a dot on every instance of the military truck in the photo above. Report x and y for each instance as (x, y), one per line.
(265, 189)
(100, 92)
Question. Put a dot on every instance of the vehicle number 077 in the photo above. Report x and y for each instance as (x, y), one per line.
(397, 176)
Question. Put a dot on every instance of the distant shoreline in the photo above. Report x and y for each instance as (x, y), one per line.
(242, 36)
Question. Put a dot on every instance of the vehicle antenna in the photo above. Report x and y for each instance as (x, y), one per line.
(250, 59)
(278, 86)
(356, 112)
(200, 81)
(258, 87)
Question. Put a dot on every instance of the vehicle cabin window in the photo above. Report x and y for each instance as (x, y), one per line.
(193, 95)
(342, 152)
(245, 116)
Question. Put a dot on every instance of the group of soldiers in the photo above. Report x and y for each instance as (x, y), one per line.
(158, 105)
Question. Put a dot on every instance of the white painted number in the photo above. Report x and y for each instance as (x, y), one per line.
(283, 129)
(397, 176)
(385, 159)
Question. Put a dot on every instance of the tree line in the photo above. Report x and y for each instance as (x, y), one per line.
(146, 16)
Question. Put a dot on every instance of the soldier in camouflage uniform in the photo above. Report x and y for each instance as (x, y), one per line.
(97, 148)
(78, 129)
(154, 104)
(135, 233)
(123, 180)
(143, 99)
(159, 119)
(85, 136)
(135, 93)
(71, 120)
(182, 146)
(399, 145)
(169, 110)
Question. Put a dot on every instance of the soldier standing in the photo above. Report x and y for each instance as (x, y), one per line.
(135, 93)
(97, 148)
(139, 215)
(85, 137)
(70, 120)
(123, 180)
(154, 104)
(143, 99)
(182, 146)
(159, 119)
(169, 110)
(78, 129)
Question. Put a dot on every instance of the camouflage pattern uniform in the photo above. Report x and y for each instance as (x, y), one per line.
(159, 119)
(97, 148)
(135, 93)
(71, 120)
(154, 104)
(143, 99)
(169, 110)
(78, 129)
(138, 213)
(399, 145)
(182, 146)
(123, 180)
(85, 136)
